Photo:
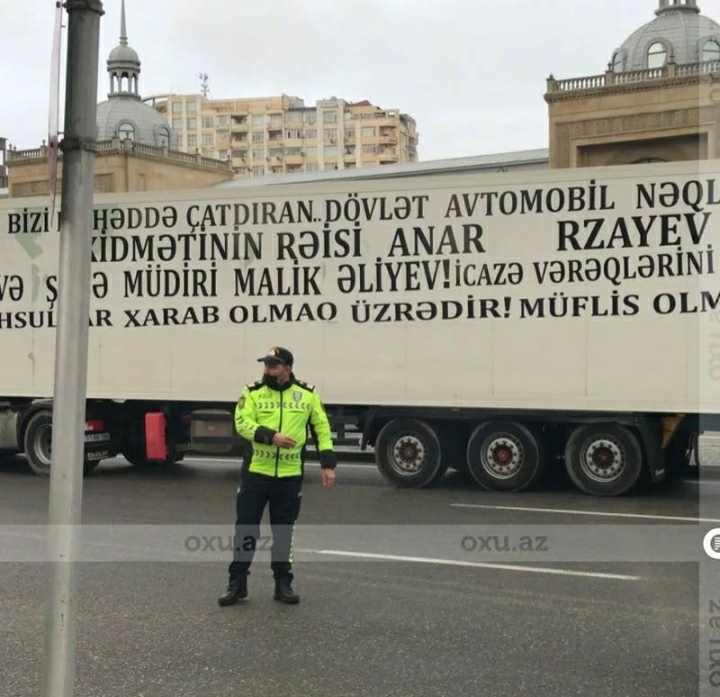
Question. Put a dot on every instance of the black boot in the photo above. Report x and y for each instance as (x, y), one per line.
(284, 592)
(236, 590)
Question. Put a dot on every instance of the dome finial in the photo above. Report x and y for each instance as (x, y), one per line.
(124, 63)
(123, 25)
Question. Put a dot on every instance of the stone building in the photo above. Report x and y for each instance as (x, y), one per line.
(137, 149)
(658, 100)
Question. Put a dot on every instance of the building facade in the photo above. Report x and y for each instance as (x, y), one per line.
(280, 135)
(136, 148)
(658, 99)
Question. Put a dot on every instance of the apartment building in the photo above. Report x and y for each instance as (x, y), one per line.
(280, 135)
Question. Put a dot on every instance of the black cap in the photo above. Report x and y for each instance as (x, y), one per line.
(277, 354)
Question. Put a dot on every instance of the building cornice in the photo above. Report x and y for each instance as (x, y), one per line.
(109, 148)
(610, 83)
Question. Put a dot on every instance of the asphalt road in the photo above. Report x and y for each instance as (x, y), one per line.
(607, 603)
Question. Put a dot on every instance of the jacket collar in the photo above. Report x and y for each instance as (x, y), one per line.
(286, 386)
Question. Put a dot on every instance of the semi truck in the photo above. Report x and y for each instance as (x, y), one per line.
(503, 324)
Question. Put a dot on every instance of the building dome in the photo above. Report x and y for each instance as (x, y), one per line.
(679, 33)
(124, 115)
(123, 54)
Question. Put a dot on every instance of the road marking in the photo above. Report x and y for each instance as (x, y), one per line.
(471, 564)
(572, 511)
(697, 482)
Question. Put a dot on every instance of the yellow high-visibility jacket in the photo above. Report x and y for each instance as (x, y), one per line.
(261, 412)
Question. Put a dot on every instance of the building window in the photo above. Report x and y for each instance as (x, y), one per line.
(126, 131)
(711, 51)
(208, 122)
(164, 138)
(647, 160)
(177, 107)
(192, 124)
(368, 131)
(657, 55)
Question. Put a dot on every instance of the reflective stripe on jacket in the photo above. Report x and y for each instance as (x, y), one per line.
(261, 412)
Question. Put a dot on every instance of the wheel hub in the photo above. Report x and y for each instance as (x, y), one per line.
(604, 460)
(502, 456)
(43, 444)
(408, 455)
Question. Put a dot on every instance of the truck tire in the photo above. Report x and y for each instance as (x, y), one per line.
(604, 459)
(37, 442)
(408, 453)
(505, 456)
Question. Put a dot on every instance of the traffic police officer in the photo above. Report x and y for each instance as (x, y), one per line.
(273, 414)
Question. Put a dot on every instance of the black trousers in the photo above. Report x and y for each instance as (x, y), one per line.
(255, 492)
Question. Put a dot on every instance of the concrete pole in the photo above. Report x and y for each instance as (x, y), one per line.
(71, 351)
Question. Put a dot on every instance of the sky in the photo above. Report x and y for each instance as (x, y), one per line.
(471, 72)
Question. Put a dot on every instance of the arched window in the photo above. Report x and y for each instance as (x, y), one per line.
(126, 131)
(164, 138)
(710, 51)
(657, 55)
(617, 62)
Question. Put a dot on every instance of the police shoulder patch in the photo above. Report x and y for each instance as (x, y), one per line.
(254, 385)
(306, 385)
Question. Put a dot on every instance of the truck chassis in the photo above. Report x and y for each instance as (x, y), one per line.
(603, 454)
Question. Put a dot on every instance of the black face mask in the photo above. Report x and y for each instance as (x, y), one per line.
(271, 381)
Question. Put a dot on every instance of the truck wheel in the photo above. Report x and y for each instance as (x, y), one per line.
(37, 442)
(505, 456)
(408, 453)
(37, 445)
(604, 459)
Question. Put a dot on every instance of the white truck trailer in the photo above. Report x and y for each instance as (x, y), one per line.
(498, 323)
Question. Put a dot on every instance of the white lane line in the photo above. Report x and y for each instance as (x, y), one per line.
(471, 564)
(572, 511)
